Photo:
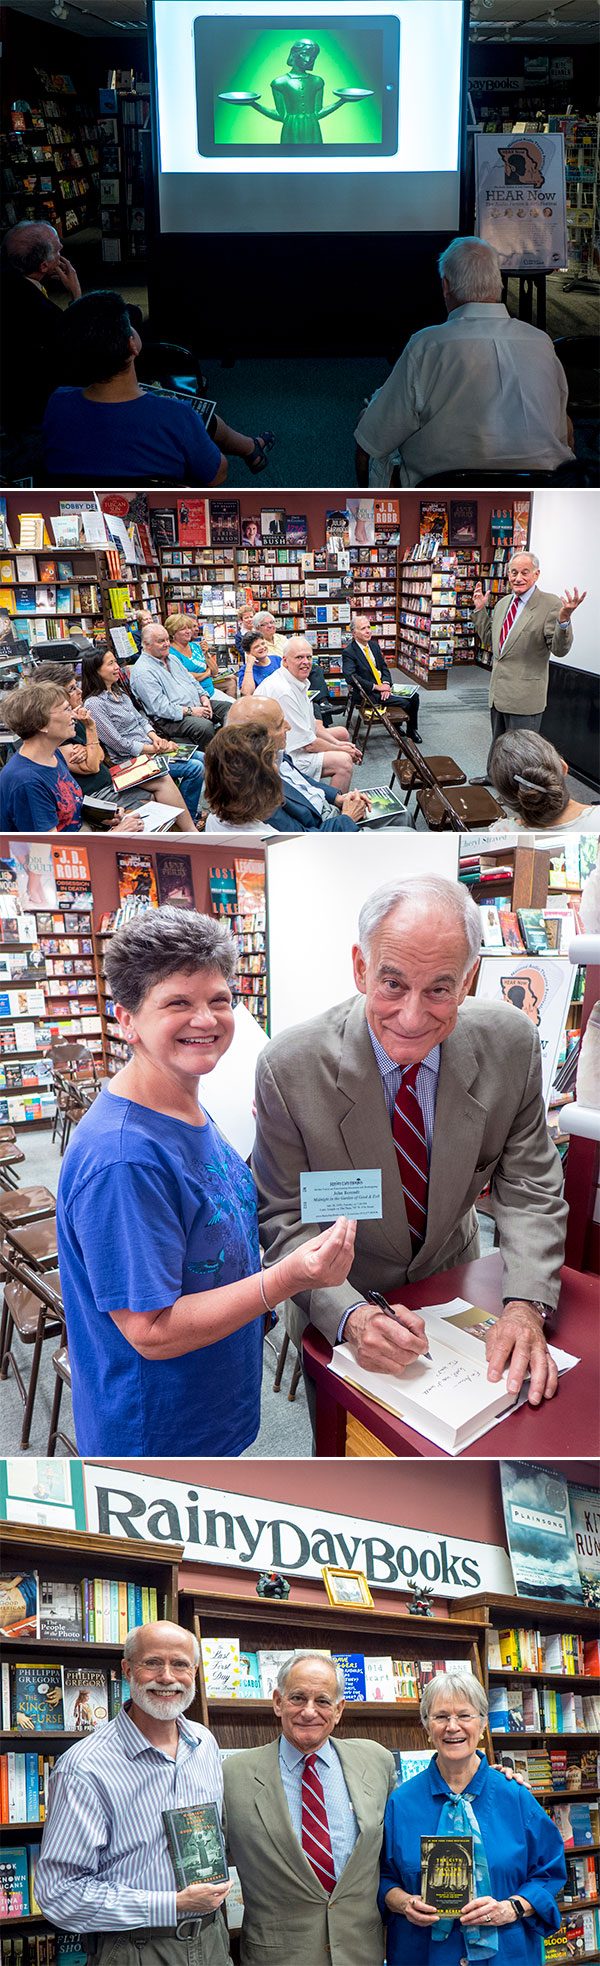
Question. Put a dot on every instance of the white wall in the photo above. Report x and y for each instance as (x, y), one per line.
(565, 534)
(315, 889)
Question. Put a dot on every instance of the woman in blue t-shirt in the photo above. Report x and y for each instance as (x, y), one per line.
(37, 790)
(260, 661)
(157, 1222)
(185, 635)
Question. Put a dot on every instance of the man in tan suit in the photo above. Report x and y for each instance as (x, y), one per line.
(306, 1836)
(336, 1094)
(523, 631)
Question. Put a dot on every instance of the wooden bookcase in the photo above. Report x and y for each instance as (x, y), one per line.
(60, 1008)
(73, 1555)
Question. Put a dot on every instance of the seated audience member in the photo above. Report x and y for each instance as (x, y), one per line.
(530, 777)
(174, 698)
(37, 789)
(156, 1218)
(242, 786)
(318, 753)
(260, 661)
(308, 806)
(110, 424)
(480, 390)
(185, 638)
(266, 625)
(245, 621)
(86, 757)
(518, 1855)
(364, 661)
(127, 734)
(32, 327)
(444, 1091)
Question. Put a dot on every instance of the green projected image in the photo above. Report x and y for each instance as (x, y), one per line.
(297, 86)
(294, 82)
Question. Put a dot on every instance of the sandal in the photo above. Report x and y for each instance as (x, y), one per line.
(257, 461)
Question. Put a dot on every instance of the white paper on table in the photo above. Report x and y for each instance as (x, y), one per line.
(227, 1094)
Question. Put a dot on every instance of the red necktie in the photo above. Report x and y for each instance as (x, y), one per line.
(508, 623)
(411, 1150)
(316, 1841)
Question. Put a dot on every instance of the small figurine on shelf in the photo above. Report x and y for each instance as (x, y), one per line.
(272, 1584)
(420, 1602)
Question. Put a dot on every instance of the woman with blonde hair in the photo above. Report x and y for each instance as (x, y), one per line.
(187, 642)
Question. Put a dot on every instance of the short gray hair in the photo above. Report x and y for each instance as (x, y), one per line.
(462, 1684)
(288, 1665)
(360, 614)
(130, 1645)
(424, 892)
(472, 270)
(523, 553)
(258, 620)
(160, 943)
(27, 247)
(151, 627)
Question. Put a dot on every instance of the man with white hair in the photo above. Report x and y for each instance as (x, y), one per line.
(104, 1867)
(318, 752)
(303, 1821)
(443, 1093)
(174, 698)
(477, 391)
(31, 324)
(523, 630)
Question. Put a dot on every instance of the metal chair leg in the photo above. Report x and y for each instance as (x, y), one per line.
(296, 1375)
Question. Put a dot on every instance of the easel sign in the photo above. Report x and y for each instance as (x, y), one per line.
(520, 199)
(538, 987)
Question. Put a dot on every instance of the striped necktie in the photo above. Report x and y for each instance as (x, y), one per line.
(508, 623)
(411, 1152)
(316, 1840)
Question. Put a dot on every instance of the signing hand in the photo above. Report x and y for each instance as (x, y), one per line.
(65, 272)
(200, 1898)
(488, 1911)
(383, 1344)
(478, 596)
(569, 602)
(126, 822)
(518, 1335)
(318, 1264)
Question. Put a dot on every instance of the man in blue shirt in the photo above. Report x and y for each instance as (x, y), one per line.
(172, 696)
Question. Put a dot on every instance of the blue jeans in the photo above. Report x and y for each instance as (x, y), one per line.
(188, 774)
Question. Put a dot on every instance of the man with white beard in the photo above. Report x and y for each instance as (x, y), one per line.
(104, 1867)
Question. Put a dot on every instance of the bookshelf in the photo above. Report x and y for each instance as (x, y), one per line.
(237, 893)
(494, 580)
(124, 161)
(202, 581)
(327, 613)
(72, 1556)
(268, 1625)
(65, 943)
(375, 588)
(49, 159)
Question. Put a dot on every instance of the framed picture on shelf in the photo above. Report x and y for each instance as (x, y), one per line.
(347, 1587)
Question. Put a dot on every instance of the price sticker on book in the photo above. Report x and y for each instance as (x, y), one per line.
(355, 1192)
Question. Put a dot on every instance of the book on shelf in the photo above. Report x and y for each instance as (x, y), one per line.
(380, 1680)
(195, 1843)
(221, 1665)
(269, 1664)
(19, 1603)
(85, 1696)
(352, 1665)
(36, 1697)
(411, 1762)
(249, 1687)
(14, 1884)
(60, 1610)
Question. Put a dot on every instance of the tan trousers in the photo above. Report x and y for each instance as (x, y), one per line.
(162, 1947)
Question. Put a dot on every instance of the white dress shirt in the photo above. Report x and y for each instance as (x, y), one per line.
(299, 714)
(478, 389)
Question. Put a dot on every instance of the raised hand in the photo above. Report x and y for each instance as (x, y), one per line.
(569, 602)
(478, 596)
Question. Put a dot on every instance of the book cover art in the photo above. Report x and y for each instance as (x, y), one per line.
(353, 1667)
(380, 1683)
(269, 1664)
(447, 1873)
(533, 927)
(85, 1698)
(221, 1662)
(136, 876)
(37, 1700)
(511, 933)
(224, 521)
(195, 1844)
(14, 1884)
(18, 1593)
(174, 879)
(249, 1687)
(60, 1613)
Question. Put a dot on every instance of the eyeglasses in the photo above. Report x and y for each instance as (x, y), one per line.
(303, 1700)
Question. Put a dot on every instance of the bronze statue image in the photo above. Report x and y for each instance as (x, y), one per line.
(298, 98)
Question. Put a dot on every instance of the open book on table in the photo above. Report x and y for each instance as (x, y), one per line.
(449, 1398)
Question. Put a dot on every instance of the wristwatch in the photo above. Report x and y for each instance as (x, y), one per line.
(545, 1310)
(518, 1908)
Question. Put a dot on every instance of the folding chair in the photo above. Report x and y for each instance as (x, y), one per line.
(370, 714)
(32, 1312)
(62, 1368)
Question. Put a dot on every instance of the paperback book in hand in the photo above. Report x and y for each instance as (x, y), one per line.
(447, 1873)
(196, 1846)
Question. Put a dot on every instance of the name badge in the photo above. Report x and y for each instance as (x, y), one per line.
(355, 1192)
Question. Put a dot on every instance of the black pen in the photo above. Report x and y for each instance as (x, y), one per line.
(375, 1297)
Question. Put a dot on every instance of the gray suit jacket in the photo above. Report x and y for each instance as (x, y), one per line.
(288, 1915)
(519, 679)
(320, 1104)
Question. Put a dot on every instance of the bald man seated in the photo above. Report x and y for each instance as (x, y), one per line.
(104, 1867)
(441, 1091)
(319, 753)
(308, 806)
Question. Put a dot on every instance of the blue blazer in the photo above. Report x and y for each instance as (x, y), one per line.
(297, 815)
